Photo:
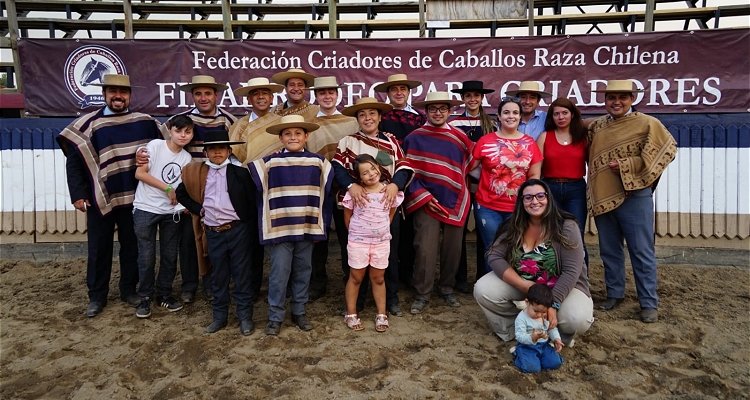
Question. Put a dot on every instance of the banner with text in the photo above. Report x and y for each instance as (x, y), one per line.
(691, 71)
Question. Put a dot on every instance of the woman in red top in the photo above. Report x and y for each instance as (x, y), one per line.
(565, 152)
(508, 157)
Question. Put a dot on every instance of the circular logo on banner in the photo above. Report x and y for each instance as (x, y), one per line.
(87, 66)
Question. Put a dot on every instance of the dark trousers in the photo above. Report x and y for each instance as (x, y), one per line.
(146, 225)
(230, 255)
(319, 276)
(391, 273)
(406, 249)
(571, 197)
(188, 255)
(462, 275)
(101, 236)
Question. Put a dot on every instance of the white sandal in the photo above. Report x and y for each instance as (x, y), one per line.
(381, 322)
(353, 322)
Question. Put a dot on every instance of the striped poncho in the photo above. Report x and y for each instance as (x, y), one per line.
(107, 146)
(440, 158)
(222, 121)
(293, 196)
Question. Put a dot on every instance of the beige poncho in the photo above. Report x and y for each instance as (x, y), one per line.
(642, 146)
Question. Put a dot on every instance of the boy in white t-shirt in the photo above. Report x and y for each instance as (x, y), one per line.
(156, 206)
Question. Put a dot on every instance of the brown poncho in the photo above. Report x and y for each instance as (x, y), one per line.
(642, 146)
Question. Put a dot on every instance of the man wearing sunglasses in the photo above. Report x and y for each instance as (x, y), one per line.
(437, 203)
(628, 153)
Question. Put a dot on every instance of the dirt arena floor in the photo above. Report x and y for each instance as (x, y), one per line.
(49, 349)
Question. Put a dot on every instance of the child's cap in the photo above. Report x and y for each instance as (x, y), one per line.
(216, 137)
(292, 121)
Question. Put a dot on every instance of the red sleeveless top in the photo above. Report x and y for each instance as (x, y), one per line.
(563, 162)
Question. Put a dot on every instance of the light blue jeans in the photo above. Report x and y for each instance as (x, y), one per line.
(487, 221)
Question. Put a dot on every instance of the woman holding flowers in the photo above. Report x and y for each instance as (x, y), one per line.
(507, 158)
(538, 243)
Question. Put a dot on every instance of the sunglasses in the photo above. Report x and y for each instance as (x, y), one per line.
(513, 99)
(528, 198)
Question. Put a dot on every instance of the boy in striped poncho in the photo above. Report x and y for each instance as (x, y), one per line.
(294, 212)
(438, 198)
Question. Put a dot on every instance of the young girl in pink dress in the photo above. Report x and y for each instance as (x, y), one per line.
(369, 240)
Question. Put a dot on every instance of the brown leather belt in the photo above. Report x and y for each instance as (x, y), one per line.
(223, 228)
(562, 180)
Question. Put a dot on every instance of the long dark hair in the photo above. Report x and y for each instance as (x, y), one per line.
(486, 122)
(366, 158)
(578, 132)
(512, 229)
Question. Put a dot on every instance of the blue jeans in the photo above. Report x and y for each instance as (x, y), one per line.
(146, 224)
(289, 260)
(633, 221)
(571, 197)
(532, 358)
(487, 221)
(231, 257)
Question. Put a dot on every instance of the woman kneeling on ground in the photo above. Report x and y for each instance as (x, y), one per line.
(539, 243)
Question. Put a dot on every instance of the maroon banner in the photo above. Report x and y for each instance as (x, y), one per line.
(701, 71)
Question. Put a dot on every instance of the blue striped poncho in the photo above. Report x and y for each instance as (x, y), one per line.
(107, 145)
(294, 196)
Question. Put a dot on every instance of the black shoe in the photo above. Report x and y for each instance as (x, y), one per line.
(144, 308)
(95, 308)
(649, 315)
(451, 300)
(418, 306)
(187, 297)
(208, 293)
(215, 326)
(610, 304)
(302, 322)
(395, 310)
(315, 294)
(132, 299)
(273, 328)
(246, 327)
(169, 303)
(462, 287)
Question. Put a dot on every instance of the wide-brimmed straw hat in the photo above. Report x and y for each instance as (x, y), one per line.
(203, 81)
(292, 121)
(472, 86)
(438, 98)
(396, 79)
(217, 137)
(116, 80)
(528, 87)
(364, 103)
(325, 82)
(258, 83)
(619, 86)
(282, 77)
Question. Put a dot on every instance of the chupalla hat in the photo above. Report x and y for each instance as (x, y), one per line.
(325, 82)
(619, 86)
(282, 77)
(217, 137)
(528, 87)
(258, 83)
(116, 80)
(396, 79)
(292, 121)
(438, 98)
(364, 103)
(203, 81)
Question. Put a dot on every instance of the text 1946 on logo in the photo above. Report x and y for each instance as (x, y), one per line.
(85, 70)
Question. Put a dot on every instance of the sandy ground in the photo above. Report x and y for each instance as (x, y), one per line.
(49, 349)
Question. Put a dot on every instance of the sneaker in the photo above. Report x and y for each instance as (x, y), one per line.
(170, 304)
(144, 308)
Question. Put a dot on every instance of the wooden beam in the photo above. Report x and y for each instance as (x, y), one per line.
(128, 11)
(531, 17)
(226, 19)
(10, 7)
(649, 23)
(422, 18)
(333, 15)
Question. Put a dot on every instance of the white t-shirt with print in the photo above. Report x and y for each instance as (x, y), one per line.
(166, 166)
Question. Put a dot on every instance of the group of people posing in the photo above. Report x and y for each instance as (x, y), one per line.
(398, 180)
